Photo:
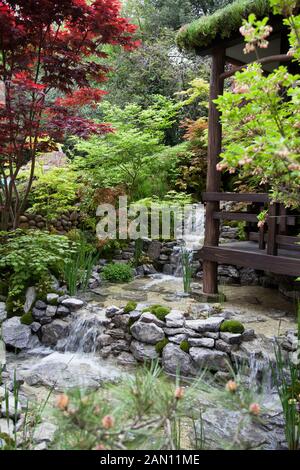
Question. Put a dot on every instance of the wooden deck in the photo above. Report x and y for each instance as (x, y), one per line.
(247, 253)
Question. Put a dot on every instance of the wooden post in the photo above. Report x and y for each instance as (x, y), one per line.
(272, 247)
(210, 268)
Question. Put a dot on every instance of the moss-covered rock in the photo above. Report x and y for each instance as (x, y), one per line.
(232, 326)
(158, 310)
(185, 346)
(27, 319)
(160, 345)
(130, 306)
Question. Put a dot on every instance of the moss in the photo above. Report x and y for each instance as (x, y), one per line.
(27, 318)
(158, 310)
(130, 306)
(185, 346)
(160, 345)
(232, 326)
(222, 24)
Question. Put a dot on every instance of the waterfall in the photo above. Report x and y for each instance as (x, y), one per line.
(83, 333)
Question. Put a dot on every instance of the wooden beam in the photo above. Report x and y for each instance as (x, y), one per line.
(236, 197)
(259, 260)
(264, 60)
(212, 229)
(273, 213)
(244, 216)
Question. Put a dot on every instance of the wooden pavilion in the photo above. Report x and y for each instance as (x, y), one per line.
(274, 247)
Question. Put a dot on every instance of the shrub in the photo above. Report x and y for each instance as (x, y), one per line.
(160, 345)
(158, 310)
(27, 318)
(131, 305)
(232, 326)
(30, 258)
(117, 272)
(185, 346)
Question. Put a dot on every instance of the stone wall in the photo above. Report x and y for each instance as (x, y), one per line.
(62, 224)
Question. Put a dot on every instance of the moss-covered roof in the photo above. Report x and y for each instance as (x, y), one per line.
(222, 24)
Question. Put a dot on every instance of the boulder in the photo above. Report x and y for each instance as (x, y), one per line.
(220, 345)
(148, 317)
(113, 310)
(174, 361)
(208, 324)
(3, 312)
(202, 342)
(52, 299)
(51, 311)
(177, 339)
(30, 298)
(175, 319)
(62, 311)
(104, 340)
(147, 332)
(143, 352)
(72, 303)
(41, 316)
(125, 358)
(154, 249)
(54, 331)
(231, 338)
(18, 336)
(40, 305)
(121, 321)
(149, 269)
(209, 359)
(44, 432)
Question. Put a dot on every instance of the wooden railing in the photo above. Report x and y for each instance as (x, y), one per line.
(271, 236)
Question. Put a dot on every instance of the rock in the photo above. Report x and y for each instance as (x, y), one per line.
(2, 355)
(121, 321)
(120, 345)
(41, 446)
(175, 331)
(177, 339)
(3, 312)
(113, 310)
(6, 427)
(248, 335)
(135, 315)
(202, 342)
(249, 277)
(116, 333)
(44, 432)
(143, 352)
(147, 332)
(175, 319)
(154, 249)
(40, 305)
(149, 269)
(104, 340)
(175, 361)
(125, 359)
(41, 316)
(18, 336)
(208, 324)
(168, 269)
(139, 271)
(62, 311)
(220, 345)
(54, 331)
(209, 359)
(35, 327)
(231, 338)
(211, 334)
(52, 299)
(228, 271)
(51, 311)
(148, 317)
(30, 298)
(72, 303)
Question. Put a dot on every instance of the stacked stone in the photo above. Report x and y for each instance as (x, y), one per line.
(51, 323)
(62, 224)
(209, 347)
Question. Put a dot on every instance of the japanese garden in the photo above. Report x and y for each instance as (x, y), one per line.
(149, 226)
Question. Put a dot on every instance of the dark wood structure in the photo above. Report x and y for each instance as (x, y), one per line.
(274, 247)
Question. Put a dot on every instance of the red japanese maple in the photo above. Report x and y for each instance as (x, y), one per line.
(50, 48)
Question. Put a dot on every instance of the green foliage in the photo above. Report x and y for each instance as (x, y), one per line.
(78, 269)
(54, 192)
(232, 326)
(117, 272)
(261, 119)
(185, 346)
(160, 345)
(27, 318)
(130, 306)
(223, 23)
(158, 310)
(141, 411)
(29, 258)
